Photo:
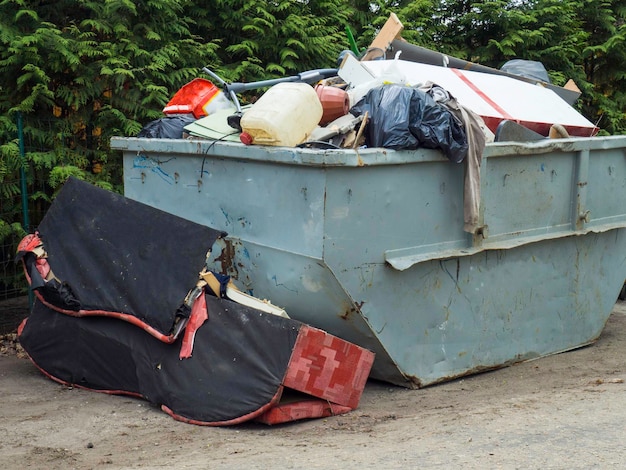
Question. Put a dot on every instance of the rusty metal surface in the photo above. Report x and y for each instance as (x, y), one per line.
(369, 245)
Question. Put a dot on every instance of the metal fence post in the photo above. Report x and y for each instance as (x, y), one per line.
(24, 189)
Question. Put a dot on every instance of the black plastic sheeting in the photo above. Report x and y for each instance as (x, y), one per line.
(240, 358)
(526, 68)
(402, 117)
(114, 254)
(167, 127)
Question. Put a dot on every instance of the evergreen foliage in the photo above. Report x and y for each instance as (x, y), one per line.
(604, 63)
(81, 71)
(263, 40)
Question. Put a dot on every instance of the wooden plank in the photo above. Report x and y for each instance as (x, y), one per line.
(390, 31)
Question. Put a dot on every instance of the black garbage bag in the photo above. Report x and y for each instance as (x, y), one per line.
(402, 117)
(168, 127)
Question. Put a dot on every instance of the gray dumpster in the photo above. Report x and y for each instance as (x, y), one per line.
(369, 244)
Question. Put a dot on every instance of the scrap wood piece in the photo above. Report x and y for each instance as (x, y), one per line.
(571, 85)
(223, 286)
(362, 127)
(390, 31)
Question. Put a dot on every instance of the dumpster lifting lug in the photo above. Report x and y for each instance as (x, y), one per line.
(585, 216)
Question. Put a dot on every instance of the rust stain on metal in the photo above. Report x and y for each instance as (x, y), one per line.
(226, 259)
(351, 310)
(414, 382)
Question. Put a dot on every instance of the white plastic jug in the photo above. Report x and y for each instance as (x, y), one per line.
(285, 115)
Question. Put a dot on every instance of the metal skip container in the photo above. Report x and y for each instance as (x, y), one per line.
(369, 244)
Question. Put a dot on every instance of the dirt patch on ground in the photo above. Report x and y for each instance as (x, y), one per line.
(565, 411)
(12, 312)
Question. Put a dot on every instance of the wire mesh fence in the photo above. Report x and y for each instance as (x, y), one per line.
(15, 299)
(25, 195)
(24, 199)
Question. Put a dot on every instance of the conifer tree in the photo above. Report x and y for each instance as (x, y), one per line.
(264, 40)
(82, 71)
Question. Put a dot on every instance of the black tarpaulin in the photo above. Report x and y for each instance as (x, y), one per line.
(118, 255)
(238, 363)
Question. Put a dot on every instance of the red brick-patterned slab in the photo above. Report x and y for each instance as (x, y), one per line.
(304, 409)
(328, 367)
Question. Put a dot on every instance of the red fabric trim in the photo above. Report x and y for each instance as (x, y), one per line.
(20, 328)
(169, 339)
(42, 266)
(69, 384)
(199, 314)
(247, 417)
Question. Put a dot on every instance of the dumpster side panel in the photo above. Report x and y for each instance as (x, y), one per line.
(530, 195)
(274, 215)
(606, 178)
(390, 207)
(283, 205)
(445, 318)
(369, 244)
